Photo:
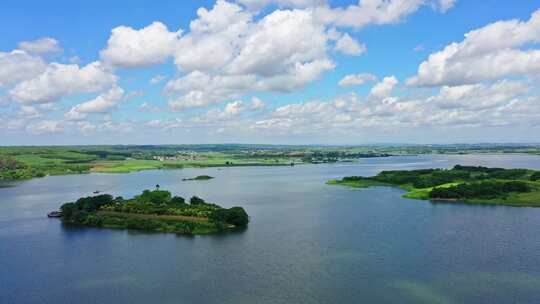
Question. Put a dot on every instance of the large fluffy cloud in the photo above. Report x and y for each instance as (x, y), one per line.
(222, 28)
(200, 89)
(128, 47)
(59, 80)
(233, 50)
(488, 53)
(17, 66)
(101, 104)
(279, 41)
(283, 51)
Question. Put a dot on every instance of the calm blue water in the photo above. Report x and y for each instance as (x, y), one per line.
(307, 243)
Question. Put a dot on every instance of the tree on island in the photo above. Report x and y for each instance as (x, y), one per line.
(236, 216)
(195, 200)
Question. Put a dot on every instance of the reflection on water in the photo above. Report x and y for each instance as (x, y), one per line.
(307, 243)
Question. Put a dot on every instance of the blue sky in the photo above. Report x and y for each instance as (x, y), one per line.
(80, 73)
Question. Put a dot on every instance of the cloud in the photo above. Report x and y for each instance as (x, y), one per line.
(231, 112)
(199, 89)
(418, 48)
(356, 79)
(384, 88)
(41, 46)
(45, 126)
(59, 80)
(104, 103)
(222, 28)
(257, 104)
(479, 96)
(505, 103)
(260, 4)
(281, 52)
(128, 47)
(30, 112)
(488, 53)
(347, 45)
(444, 5)
(147, 107)
(154, 123)
(17, 66)
(278, 42)
(309, 118)
(167, 124)
(157, 79)
(358, 15)
(368, 12)
(109, 127)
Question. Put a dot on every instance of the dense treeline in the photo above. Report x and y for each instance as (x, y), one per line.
(427, 178)
(155, 210)
(480, 190)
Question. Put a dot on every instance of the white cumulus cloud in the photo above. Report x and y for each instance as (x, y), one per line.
(18, 65)
(356, 79)
(40, 46)
(59, 80)
(103, 103)
(384, 88)
(347, 45)
(128, 47)
(488, 53)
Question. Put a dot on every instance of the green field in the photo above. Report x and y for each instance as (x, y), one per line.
(28, 162)
(37, 161)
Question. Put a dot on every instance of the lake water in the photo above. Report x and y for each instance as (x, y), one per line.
(307, 243)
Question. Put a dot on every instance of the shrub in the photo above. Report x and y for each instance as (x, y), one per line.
(195, 200)
(177, 200)
(155, 197)
(236, 216)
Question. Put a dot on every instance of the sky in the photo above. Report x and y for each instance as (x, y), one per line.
(269, 71)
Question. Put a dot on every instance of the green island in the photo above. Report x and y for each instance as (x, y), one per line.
(200, 177)
(466, 184)
(154, 211)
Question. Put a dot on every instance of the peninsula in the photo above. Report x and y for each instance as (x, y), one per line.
(466, 184)
(153, 210)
